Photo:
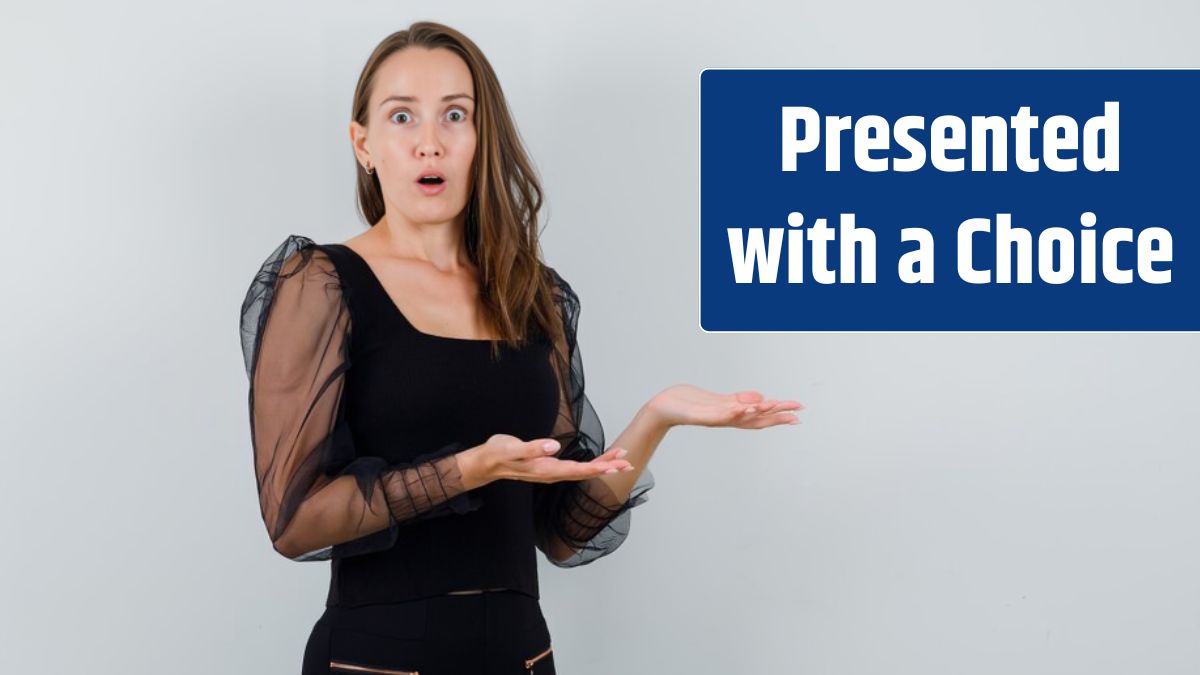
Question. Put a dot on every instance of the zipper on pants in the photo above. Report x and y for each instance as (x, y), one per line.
(355, 668)
(529, 663)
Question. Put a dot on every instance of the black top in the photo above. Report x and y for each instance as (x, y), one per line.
(356, 418)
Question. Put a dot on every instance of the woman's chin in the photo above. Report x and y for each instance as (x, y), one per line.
(433, 214)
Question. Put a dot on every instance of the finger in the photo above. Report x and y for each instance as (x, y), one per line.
(599, 466)
(774, 420)
(616, 466)
(566, 469)
(772, 404)
(773, 407)
(782, 404)
(747, 412)
(612, 453)
(541, 447)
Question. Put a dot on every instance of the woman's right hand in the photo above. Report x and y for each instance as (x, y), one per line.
(503, 456)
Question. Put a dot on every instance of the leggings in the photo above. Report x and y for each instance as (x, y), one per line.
(500, 632)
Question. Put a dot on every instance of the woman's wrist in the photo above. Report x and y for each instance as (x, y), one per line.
(474, 473)
(654, 416)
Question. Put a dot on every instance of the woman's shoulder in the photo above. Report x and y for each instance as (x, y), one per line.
(302, 271)
(560, 289)
(292, 262)
(298, 253)
(299, 243)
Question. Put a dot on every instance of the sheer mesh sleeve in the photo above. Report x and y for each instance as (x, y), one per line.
(318, 498)
(576, 513)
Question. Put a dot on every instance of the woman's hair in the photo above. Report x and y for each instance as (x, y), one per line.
(502, 211)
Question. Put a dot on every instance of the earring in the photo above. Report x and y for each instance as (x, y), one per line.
(370, 170)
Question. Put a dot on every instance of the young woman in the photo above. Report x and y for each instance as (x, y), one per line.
(417, 402)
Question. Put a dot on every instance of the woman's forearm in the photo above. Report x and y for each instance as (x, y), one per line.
(640, 438)
(610, 491)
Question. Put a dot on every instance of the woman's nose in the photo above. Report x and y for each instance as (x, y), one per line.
(429, 146)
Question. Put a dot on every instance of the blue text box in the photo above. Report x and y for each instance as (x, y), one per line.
(744, 187)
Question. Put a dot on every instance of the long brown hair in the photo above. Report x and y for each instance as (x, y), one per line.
(502, 210)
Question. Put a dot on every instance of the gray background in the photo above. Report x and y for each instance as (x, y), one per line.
(952, 503)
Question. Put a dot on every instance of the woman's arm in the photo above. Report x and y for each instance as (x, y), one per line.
(318, 495)
(675, 406)
(363, 519)
(639, 439)
(578, 522)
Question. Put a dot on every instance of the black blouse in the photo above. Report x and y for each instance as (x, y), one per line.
(356, 418)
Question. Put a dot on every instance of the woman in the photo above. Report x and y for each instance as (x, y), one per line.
(417, 405)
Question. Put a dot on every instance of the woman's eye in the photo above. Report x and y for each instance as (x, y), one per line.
(462, 115)
(400, 112)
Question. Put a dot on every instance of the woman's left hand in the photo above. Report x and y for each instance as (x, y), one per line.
(685, 404)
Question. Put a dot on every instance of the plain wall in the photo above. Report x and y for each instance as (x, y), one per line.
(952, 503)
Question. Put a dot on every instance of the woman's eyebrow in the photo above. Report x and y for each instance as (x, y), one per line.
(397, 97)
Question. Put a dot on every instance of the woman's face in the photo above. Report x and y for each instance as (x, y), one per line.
(421, 118)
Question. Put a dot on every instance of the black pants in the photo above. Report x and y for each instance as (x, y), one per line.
(491, 633)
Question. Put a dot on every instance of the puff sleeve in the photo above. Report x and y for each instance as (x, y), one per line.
(319, 499)
(576, 512)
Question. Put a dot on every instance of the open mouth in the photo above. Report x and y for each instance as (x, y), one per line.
(430, 180)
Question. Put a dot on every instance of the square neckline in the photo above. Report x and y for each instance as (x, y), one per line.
(396, 308)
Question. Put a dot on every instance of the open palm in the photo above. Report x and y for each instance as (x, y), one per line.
(684, 404)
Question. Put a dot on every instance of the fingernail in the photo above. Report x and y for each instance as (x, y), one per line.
(611, 471)
(550, 446)
(628, 468)
(622, 452)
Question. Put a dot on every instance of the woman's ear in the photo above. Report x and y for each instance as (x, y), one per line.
(358, 142)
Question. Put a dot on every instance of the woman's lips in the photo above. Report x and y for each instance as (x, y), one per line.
(432, 189)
